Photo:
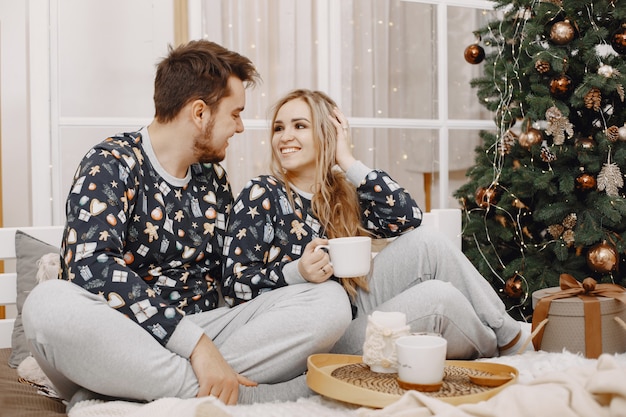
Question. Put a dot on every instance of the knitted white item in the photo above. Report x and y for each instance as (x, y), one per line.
(48, 267)
(379, 349)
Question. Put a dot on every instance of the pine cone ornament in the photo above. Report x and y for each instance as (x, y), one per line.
(542, 66)
(622, 132)
(556, 230)
(506, 143)
(547, 155)
(570, 221)
(568, 237)
(612, 133)
(593, 99)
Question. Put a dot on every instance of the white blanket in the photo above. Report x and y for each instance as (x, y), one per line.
(559, 384)
(579, 392)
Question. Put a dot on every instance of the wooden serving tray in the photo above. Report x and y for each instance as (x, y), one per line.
(347, 378)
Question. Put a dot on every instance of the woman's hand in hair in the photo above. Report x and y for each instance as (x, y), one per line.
(314, 264)
(343, 155)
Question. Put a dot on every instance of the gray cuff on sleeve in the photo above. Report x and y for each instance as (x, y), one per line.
(185, 338)
(291, 273)
(357, 172)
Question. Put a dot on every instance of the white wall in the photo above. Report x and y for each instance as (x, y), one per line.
(14, 121)
(107, 54)
(102, 57)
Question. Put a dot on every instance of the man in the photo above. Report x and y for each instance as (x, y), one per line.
(136, 313)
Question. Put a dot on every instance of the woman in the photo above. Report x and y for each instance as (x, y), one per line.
(317, 191)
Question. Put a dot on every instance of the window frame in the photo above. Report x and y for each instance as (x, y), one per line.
(46, 122)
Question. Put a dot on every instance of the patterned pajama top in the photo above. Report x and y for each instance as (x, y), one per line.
(150, 244)
(267, 235)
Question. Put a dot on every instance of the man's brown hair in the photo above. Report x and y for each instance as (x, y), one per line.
(197, 70)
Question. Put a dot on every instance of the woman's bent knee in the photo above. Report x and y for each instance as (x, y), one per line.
(332, 307)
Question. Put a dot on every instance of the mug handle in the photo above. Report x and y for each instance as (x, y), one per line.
(324, 247)
(321, 247)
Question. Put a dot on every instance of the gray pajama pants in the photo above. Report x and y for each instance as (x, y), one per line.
(82, 343)
(423, 275)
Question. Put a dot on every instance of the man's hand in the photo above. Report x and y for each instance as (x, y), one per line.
(215, 376)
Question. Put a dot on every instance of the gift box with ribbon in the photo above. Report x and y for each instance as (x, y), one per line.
(587, 318)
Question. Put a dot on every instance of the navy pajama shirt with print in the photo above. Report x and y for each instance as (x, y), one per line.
(266, 233)
(152, 250)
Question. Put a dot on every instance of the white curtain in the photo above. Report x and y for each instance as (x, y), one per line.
(388, 55)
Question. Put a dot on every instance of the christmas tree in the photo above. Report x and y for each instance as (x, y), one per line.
(546, 194)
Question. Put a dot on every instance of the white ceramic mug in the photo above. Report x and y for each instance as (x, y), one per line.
(349, 256)
(421, 361)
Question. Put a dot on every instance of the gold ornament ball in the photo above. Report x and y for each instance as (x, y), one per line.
(513, 287)
(486, 196)
(562, 33)
(474, 54)
(586, 144)
(602, 258)
(586, 182)
(561, 86)
(622, 133)
(618, 40)
(530, 138)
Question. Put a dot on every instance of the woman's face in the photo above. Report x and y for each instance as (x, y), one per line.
(292, 139)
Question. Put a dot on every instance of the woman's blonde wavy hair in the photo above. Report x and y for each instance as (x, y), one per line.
(335, 201)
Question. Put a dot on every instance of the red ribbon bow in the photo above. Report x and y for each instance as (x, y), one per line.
(588, 292)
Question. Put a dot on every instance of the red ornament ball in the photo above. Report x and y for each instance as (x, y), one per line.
(530, 138)
(618, 40)
(561, 86)
(474, 54)
(586, 182)
(602, 258)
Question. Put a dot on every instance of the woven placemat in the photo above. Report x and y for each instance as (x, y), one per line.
(456, 380)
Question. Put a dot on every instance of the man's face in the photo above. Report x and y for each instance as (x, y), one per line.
(222, 125)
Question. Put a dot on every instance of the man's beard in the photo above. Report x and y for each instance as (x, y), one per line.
(203, 149)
